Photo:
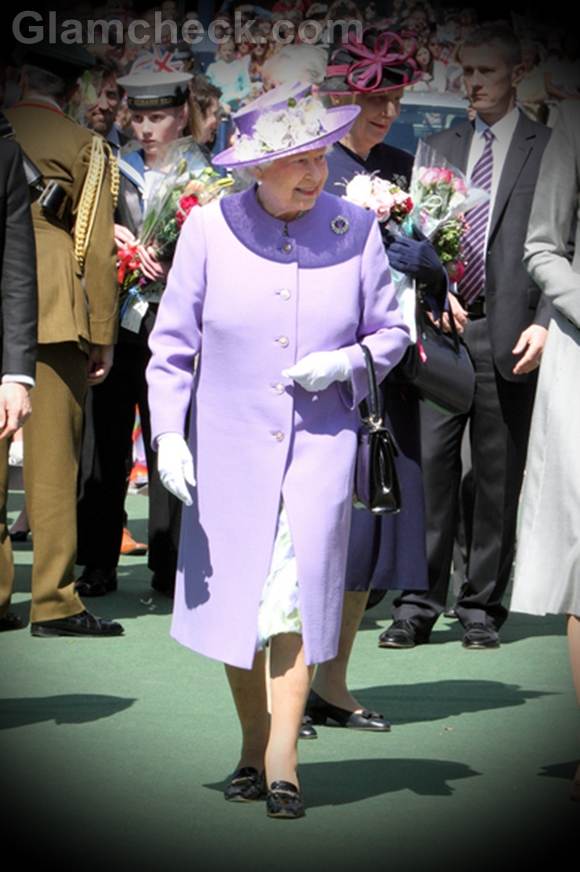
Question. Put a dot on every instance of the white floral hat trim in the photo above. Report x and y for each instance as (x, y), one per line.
(282, 129)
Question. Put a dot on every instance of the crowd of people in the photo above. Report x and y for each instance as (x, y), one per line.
(242, 351)
(237, 60)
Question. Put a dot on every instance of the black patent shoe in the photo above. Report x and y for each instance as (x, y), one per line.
(83, 624)
(403, 634)
(10, 621)
(246, 785)
(307, 730)
(284, 801)
(96, 582)
(324, 713)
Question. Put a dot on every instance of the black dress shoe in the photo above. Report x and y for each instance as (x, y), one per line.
(479, 636)
(246, 785)
(83, 624)
(19, 536)
(307, 730)
(403, 634)
(324, 713)
(10, 621)
(284, 801)
(96, 582)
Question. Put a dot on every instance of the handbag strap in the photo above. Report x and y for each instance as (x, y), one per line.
(374, 399)
(454, 333)
(446, 310)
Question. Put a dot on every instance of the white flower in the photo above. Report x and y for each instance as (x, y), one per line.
(456, 200)
(314, 114)
(271, 131)
(282, 129)
(246, 148)
(382, 206)
(360, 190)
(297, 131)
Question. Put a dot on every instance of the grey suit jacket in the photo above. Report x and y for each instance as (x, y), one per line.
(513, 300)
(18, 290)
(553, 263)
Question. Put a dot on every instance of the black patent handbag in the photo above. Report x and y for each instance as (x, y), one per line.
(438, 366)
(376, 483)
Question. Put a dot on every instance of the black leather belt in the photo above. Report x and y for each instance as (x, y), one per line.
(477, 309)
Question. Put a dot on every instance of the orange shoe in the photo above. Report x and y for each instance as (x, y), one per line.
(130, 546)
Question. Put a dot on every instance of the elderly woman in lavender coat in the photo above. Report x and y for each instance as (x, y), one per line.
(273, 291)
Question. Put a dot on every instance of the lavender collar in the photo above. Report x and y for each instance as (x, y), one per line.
(332, 232)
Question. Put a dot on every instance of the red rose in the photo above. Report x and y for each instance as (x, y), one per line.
(184, 207)
(456, 270)
(128, 261)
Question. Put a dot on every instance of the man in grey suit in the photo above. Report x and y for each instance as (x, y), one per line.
(500, 312)
(18, 310)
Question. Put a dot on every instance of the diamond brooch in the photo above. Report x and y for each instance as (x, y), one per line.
(339, 224)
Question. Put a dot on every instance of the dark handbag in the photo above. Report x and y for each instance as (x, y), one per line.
(376, 482)
(438, 366)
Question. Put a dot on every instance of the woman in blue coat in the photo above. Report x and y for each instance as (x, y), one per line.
(389, 552)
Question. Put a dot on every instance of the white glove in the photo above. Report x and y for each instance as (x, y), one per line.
(175, 465)
(318, 370)
(16, 453)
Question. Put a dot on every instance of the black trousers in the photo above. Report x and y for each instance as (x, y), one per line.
(107, 443)
(499, 423)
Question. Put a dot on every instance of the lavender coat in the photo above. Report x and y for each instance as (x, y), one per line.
(252, 296)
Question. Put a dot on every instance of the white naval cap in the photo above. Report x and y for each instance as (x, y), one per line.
(155, 90)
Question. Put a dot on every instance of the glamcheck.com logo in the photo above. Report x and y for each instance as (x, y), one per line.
(31, 27)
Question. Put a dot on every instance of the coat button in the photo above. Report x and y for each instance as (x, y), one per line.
(278, 436)
(287, 247)
(285, 294)
(283, 341)
(278, 388)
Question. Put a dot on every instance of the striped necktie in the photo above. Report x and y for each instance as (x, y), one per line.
(473, 281)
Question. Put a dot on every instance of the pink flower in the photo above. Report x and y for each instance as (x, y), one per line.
(459, 185)
(429, 176)
(383, 211)
(456, 270)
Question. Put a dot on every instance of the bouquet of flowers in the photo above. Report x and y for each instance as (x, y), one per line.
(441, 196)
(385, 199)
(393, 208)
(186, 181)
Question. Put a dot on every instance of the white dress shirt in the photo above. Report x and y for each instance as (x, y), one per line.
(152, 179)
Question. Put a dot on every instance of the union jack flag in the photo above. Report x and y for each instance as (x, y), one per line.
(159, 60)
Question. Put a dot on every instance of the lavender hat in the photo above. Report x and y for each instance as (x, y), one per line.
(286, 120)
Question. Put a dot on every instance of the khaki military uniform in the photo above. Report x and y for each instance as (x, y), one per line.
(75, 310)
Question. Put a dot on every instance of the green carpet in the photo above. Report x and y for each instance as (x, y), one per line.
(115, 751)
